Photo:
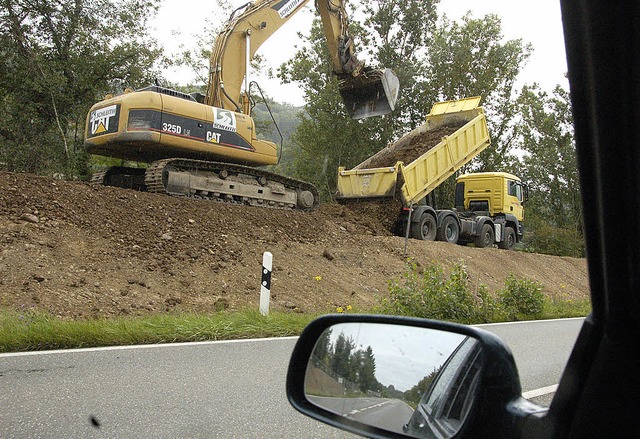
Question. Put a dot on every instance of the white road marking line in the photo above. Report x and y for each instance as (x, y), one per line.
(142, 346)
(356, 411)
(482, 325)
(539, 392)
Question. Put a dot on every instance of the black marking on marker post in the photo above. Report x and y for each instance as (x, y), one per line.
(266, 278)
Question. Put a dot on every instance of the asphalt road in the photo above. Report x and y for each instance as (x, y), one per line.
(541, 348)
(217, 389)
(390, 414)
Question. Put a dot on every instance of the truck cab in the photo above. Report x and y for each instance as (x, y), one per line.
(492, 192)
(490, 208)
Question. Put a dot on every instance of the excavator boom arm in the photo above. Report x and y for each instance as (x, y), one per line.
(249, 27)
(366, 92)
(335, 23)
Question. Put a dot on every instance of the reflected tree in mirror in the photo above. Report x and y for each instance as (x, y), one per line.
(404, 379)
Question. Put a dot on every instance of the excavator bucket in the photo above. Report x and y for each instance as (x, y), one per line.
(369, 94)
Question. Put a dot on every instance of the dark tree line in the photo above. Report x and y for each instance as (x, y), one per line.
(58, 58)
(346, 361)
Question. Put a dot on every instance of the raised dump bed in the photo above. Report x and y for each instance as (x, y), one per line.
(453, 134)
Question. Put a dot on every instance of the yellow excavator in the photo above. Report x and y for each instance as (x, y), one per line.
(205, 146)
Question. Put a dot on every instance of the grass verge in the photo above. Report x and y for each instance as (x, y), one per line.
(37, 330)
(430, 295)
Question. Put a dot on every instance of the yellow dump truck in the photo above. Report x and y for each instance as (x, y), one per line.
(489, 206)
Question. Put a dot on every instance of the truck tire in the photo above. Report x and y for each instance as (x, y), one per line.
(509, 239)
(424, 229)
(486, 236)
(449, 231)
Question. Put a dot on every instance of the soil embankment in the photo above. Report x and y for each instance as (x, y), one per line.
(79, 251)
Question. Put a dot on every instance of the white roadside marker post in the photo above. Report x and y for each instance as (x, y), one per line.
(265, 288)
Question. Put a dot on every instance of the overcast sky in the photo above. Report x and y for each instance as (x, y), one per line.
(538, 23)
(403, 354)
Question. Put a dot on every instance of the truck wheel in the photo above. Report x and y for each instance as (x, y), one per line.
(509, 239)
(486, 237)
(424, 229)
(449, 230)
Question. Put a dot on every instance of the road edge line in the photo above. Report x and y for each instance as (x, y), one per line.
(539, 392)
(141, 346)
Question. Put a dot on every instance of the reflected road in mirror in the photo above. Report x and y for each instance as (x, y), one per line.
(389, 414)
(404, 379)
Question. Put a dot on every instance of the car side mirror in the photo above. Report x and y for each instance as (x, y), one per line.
(384, 376)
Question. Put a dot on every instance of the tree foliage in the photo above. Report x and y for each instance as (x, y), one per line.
(471, 58)
(395, 33)
(354, 368)
(549, 165)
(58, 58)
(402, 32)
(415, 393)
(433, 60)
(195, 56)
(341, 358)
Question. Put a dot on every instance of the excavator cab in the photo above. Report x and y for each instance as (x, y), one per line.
(371, 93)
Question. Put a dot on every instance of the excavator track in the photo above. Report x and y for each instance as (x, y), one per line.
(98, 178)
(229, 183)
(120, 176)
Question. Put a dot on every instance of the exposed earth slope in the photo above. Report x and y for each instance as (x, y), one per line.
(79, 251)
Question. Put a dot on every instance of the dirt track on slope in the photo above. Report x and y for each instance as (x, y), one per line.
(79, 251)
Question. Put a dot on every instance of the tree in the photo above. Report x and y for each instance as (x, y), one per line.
(415, 394)
(433, 62)
(196, 56)
(402, 33)
(327, 138)
(58, 58)
(471, 58)
(367, 375)
(322, 350)
(549, 165)
(341, 360)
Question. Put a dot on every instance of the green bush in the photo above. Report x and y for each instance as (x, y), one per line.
(428, 292)
(431, 294)
(541, 237)
(522, 297)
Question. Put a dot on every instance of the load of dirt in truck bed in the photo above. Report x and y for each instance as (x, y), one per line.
(77, 251)
(409, 147)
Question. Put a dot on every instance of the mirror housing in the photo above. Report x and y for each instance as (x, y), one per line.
(498, 407)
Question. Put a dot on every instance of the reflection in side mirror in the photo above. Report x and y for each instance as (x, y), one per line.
(418, 381)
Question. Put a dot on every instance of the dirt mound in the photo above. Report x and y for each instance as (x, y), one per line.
(79, 251)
